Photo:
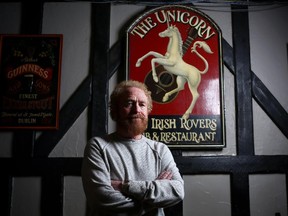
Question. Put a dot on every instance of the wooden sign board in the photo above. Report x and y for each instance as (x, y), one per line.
(176, 51)
(30, 67)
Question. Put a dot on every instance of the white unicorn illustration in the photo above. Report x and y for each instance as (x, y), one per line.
(172, 62)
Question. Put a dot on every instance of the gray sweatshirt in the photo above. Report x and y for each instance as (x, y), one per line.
(136, 162)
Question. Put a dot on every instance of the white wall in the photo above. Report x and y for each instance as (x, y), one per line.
(205, 194)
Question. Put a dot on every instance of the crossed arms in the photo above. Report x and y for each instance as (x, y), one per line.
(111, 194)
(118, 185)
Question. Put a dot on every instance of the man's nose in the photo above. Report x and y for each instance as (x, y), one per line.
(136, 108)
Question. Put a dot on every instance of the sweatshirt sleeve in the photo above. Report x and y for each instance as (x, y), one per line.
(97, 184)
(159, 193)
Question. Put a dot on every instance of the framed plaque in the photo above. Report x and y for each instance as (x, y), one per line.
(176, 51)
(30, 68)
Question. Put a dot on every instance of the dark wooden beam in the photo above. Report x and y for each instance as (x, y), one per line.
(239, 191)
(23, 143)
(52, 194)
(188, 165)
(244, 112)
(191, 165)
(31, 23)
(31, 17)
(19, 167)
(5, 195)
(240, 198)
(100, 69)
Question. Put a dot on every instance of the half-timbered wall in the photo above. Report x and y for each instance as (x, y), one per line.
(40, 170)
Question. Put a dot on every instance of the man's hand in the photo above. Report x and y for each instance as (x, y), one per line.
(165, 175)
(116, 184)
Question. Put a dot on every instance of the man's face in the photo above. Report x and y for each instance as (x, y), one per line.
(132, 113)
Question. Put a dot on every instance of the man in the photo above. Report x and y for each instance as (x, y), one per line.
(125, 173)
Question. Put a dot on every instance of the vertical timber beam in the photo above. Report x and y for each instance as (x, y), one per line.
(23, 140)
(52, 194)
(244, 119)
(244, 113)
(100, 71)
(240, 194)
(31, 23)
(5, 195)
(31, 17)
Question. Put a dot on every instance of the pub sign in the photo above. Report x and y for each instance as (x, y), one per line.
(30, 81)
(176, 51)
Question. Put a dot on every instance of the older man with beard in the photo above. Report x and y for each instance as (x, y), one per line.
(125, 173)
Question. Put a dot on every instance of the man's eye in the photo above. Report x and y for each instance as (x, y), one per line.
(129, 103)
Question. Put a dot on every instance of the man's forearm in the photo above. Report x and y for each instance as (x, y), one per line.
(117, 184)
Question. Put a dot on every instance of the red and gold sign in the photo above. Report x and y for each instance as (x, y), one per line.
(176, 51)
(30, 81)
